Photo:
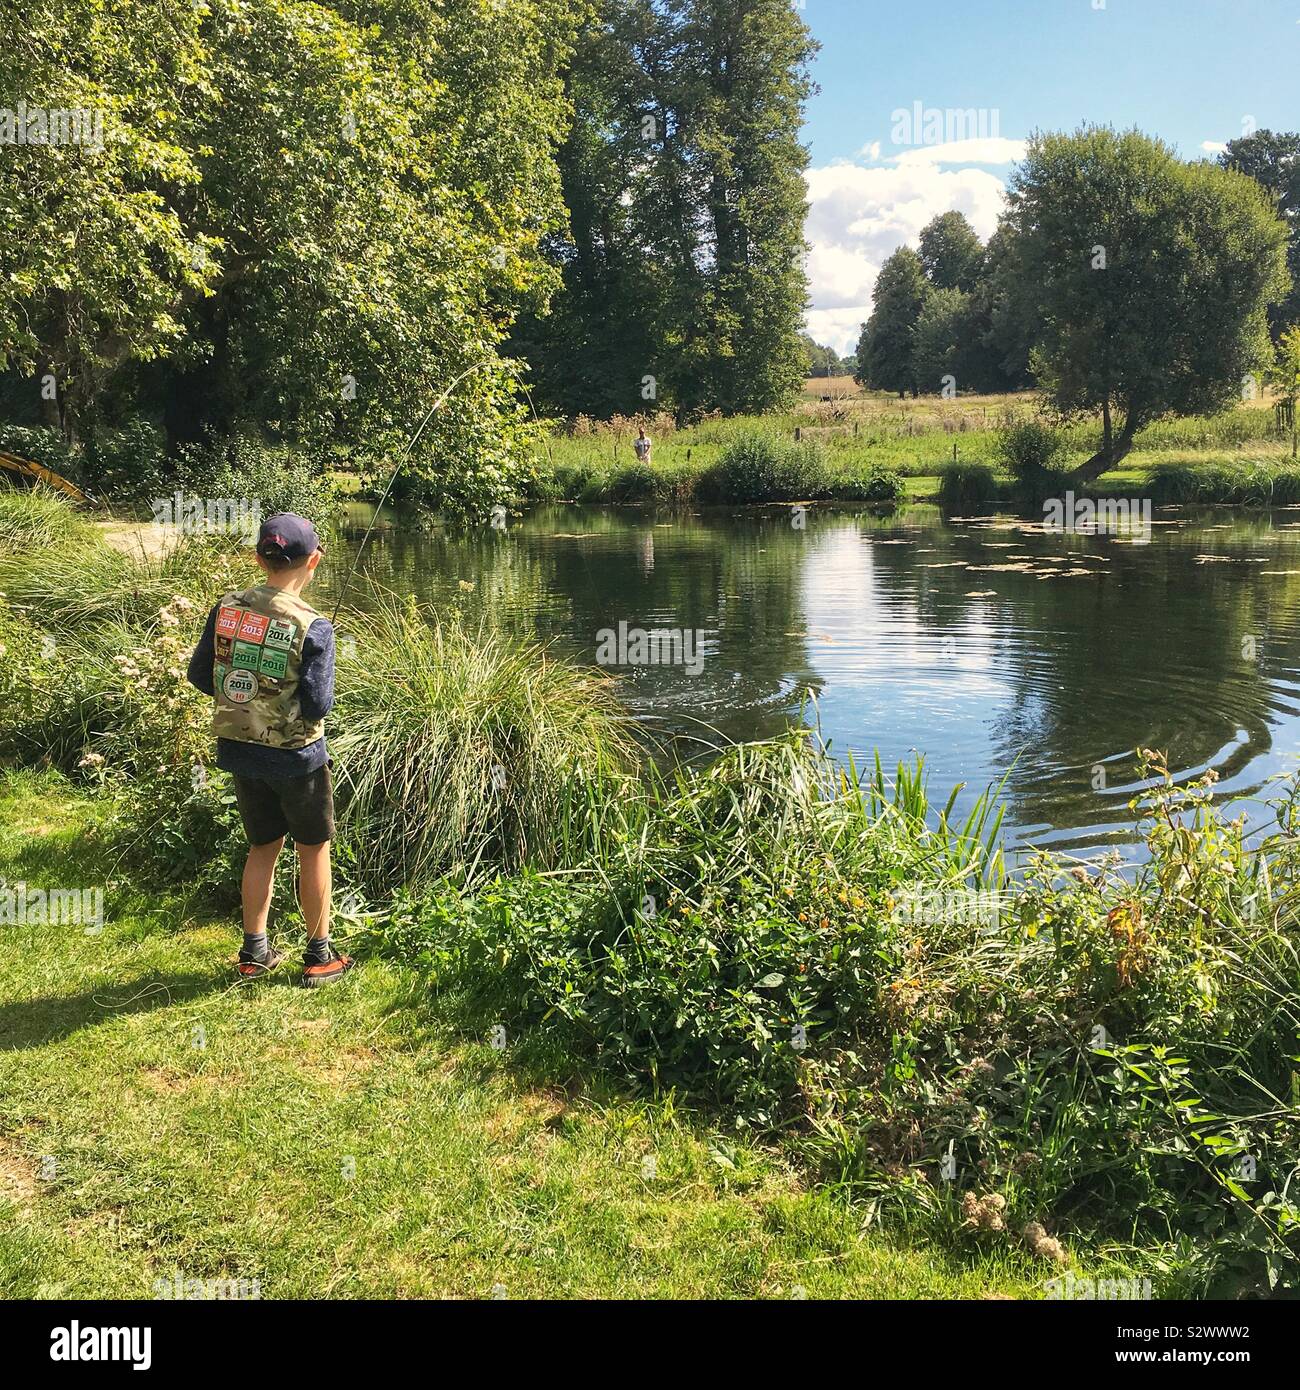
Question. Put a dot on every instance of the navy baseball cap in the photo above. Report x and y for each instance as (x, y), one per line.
(287, 536)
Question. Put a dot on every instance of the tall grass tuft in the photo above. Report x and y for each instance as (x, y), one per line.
(460, 753)
(32, 518)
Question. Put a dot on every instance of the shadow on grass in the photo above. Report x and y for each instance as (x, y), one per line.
(31, 1023)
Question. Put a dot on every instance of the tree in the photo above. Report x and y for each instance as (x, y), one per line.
(951, 252)
(1003, 319)
(885, 350)
(820, 361)
(99, 261)
(1274, 161)
(1285, 374)
(1148, 279)
(304, 217)
(941, 339)
(683, 283)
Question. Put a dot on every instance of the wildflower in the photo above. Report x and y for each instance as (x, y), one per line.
(1042, 1244)
(984, 1213)
(91, 760)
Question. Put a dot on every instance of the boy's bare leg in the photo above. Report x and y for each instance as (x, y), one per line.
(314, 888)
(259, 878)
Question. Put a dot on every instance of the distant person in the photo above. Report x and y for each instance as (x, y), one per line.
(642, 446)
(266, 657)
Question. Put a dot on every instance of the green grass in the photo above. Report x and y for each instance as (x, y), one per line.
(227, 1160)
(915, 439)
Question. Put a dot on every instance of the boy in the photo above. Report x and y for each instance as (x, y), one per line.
(641, 446)
(267, 659)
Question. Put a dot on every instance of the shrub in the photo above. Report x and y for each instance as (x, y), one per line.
(278, 478)
(130, 463)
(41, 446)
(1098, 1049)
(1031, 451)
(749, 905)
(758, 467)
(877, 484)
(967, 485)
(630, 482)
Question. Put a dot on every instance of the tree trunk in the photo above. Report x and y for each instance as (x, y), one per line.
(1113, 448)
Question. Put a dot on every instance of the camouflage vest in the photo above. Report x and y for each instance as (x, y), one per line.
(259, 639)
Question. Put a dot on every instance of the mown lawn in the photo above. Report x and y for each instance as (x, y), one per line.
(156, 1120)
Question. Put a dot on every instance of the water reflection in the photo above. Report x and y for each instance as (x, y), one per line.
(985, 643)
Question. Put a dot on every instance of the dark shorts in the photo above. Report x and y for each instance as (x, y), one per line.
(301, 807)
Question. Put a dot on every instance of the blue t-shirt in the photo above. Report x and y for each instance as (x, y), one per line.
(315, 695)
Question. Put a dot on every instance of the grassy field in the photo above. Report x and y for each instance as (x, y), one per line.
(916, 438)
(156, 1120)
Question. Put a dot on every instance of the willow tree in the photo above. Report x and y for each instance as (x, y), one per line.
(1148, 280)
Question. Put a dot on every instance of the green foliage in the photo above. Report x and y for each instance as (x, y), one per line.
(1244, 483)
(825, 954)
(746, 907)
(467, 753)
(951, 252)
(276, 478)
(940, 339)
(34, 518)
(965, 484)
(683, 173)
(876, 484)
(1273, 160)
(303, 219)
(886, 358)
(1147, 279)
(759, 467)
(1032, 451)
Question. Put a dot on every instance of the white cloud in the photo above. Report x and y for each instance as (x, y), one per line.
(1215, 146)
(859, 215)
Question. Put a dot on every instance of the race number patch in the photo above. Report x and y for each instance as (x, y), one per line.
(228, 621)
(280, 634)
(246, 655)
(273, 663)
(253, 627)
(239, 687)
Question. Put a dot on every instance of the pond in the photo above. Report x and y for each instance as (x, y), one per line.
(991, 645)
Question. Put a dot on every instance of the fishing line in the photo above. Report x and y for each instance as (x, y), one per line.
(405, 454)
(411, 443)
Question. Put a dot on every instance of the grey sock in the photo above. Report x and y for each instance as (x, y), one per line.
(255, 947)
(318, 950)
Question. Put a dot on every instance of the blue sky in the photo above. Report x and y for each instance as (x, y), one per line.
(1195, 72)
